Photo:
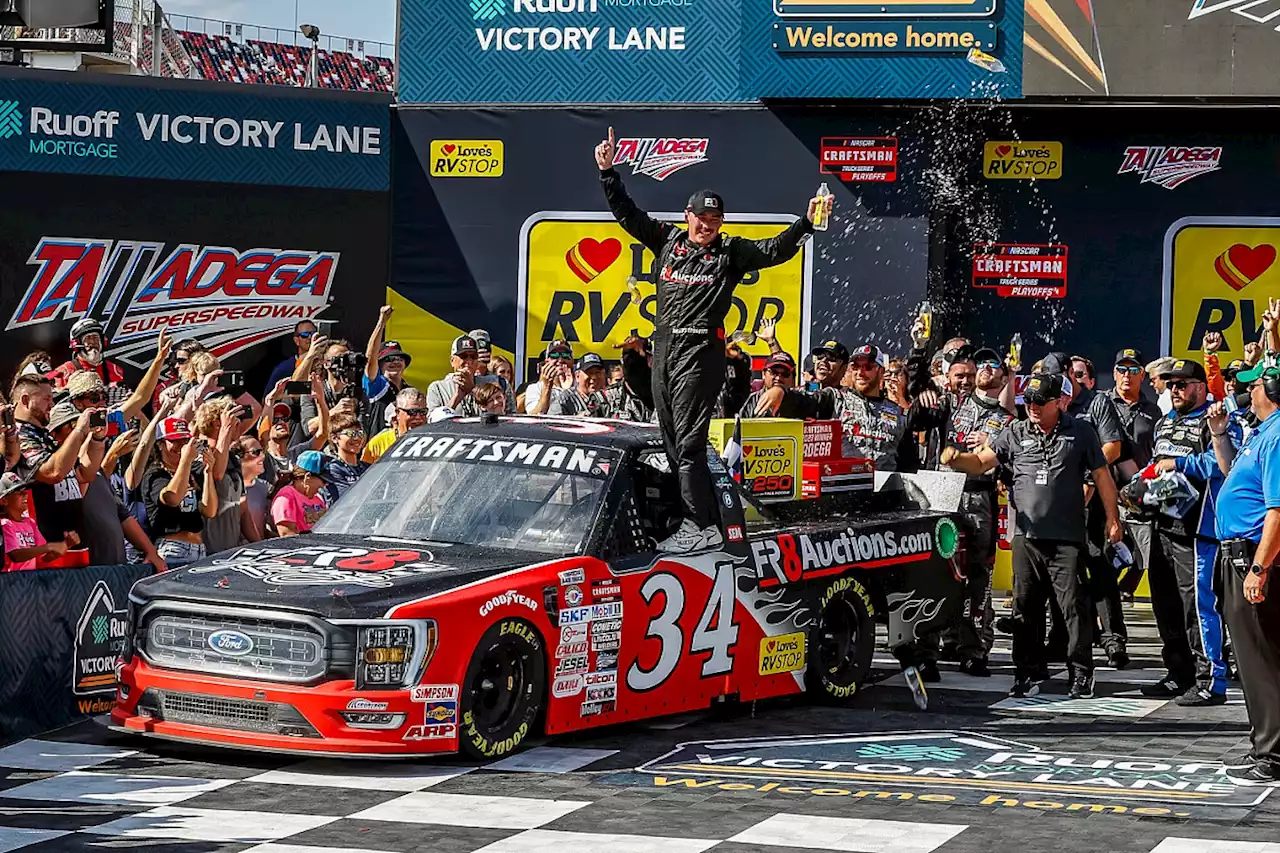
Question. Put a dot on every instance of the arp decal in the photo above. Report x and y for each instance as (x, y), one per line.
(439, 710)
(374, 569)
(790, 557)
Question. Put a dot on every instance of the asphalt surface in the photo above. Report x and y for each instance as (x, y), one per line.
(1118, 774)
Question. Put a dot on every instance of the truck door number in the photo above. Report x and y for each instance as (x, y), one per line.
(714, 634)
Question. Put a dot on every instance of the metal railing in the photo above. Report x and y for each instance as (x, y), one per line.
(252, 32)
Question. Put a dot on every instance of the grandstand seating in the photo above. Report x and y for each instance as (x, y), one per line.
(222, 58)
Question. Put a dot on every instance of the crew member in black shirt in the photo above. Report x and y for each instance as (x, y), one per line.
(1049, 455)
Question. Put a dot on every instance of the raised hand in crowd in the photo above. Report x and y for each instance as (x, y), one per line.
(142, 454)
(768, 333)
(1252, 353)
(9, 429)
(605, 152)
(1271, 326)
(376, 339)
(1212, 342)
(125, 443)
(463, 381)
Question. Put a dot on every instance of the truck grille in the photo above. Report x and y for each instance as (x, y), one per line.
(222, 713)
(266, 650)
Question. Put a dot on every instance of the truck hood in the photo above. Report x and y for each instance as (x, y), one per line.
(341, 577)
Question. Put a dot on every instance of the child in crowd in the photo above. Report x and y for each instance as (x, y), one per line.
(23, 543)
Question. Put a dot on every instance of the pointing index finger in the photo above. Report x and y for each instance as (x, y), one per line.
(611, 135)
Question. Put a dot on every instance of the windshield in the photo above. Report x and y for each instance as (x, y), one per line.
(470, 503)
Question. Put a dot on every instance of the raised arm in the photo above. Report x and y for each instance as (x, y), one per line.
(640, 225)
(133, 406)
(374, 346)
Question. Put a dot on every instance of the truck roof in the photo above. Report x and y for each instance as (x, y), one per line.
(616, 434)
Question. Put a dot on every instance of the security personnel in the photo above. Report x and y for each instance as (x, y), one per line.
(1184, 552)
(1050, 454)
(1248, 526)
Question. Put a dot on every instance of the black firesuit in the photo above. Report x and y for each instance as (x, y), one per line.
(695, 290)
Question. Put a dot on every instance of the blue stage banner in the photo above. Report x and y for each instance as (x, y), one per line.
(706, 51)
(194, 131)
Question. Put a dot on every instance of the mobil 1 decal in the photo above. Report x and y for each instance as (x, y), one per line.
(955, 767)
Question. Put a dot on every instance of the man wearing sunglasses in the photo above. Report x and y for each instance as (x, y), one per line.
(1184, 551)
(830, 362)
(779, 372)
(453, 392)
(303, 332)
(696, 270)
(411, 413)
(555, 372)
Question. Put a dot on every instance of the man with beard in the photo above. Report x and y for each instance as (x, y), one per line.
(696, 269)
(1184, 552)
(830, 362)
(970, 416)
(88, 343)
(875, 427)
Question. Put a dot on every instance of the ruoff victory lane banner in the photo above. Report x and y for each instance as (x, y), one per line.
(500, 224)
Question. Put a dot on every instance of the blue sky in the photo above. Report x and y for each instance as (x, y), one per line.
(364, 19)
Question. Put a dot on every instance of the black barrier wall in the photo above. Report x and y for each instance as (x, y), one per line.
(63, 630)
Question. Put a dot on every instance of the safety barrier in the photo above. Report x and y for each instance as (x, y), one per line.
(61, 631)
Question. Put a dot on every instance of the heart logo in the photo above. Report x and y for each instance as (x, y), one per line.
(588, 258)
(1240, 265)
(769, 647)
(747, 449)
(1003, 150)
(449, 149)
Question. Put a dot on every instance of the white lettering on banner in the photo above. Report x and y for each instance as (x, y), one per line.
(579, 38)
(555, 456)
(101, 124)
(510, 597)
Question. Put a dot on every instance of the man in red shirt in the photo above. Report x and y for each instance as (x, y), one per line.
(88, 345)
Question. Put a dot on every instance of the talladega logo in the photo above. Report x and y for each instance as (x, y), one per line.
(1170, 166)
(229, 299)
(660, 158)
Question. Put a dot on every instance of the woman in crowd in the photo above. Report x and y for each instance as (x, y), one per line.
(895, 382)
(297, 504)
(180, 493)
(255, 506)
(218, 423)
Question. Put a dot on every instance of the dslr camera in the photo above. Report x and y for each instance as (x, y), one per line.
(349, 367)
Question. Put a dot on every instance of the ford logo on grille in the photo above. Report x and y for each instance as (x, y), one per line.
(231, 643)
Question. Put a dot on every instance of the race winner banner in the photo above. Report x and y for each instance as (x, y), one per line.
(1021, 269)
(574, 271)
(1218, 273)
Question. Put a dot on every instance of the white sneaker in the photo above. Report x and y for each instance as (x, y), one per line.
(688, 538)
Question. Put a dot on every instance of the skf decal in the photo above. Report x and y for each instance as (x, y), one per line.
(789, 557)
(228, 298)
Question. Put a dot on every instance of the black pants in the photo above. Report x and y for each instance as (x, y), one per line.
(1104, 580)
(687, 376)
(1255, 636)
(1041, 568)
(1185, 604)
(971, 633)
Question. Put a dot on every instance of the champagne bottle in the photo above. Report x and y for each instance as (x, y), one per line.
(820, 219)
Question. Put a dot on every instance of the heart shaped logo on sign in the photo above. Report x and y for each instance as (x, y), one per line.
(588, 258)
(1003, 150)
(747, 449)
(1240, 265)
(771, 645)
(449, 149)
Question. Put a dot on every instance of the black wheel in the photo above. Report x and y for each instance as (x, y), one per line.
(842, 641)
(503, 691)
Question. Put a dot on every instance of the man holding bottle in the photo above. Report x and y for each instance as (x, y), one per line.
(696, 270)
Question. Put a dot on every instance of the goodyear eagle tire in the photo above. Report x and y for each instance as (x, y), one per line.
(504, 689)
(842, 641)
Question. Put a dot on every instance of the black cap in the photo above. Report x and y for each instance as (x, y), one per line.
(964, 352)
(781, 359)
(706, 201)
(559, 345)
(1185, 368)
(1127, 356)
(1056, 362)
(1232, 369)
(392, 349)
(463, 344)
(589, 361)
(1043, 387)
(982, 354)
(833, 348)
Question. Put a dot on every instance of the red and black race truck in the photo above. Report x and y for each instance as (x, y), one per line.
(492, 579)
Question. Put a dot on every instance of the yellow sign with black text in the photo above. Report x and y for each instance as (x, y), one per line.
(574, 284)
(782, 654)
(1218, 273)
(1022, 161)
(467, 158)
(772, 451)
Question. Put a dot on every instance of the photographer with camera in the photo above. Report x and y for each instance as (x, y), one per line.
(342, 373)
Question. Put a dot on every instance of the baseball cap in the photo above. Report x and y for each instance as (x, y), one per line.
(1160, 367)
(1232, 370)
(982, 354)
(1186, 368)
(1262, 369)
(483, 340)
(872, 353)
(589, 361)
(173, 429)
(832, 348)
(1128, 356)
(311, 461)
(84, 382)
(781, 359)
(1043, 387)
(281, 410)
(1056, 362)
(559, 346)
(464, 345)
(62, 414)
(10, 483)
(706, 201)
(392, 349)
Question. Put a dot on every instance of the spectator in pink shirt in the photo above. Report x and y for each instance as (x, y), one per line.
(297, 506)
(23, 543)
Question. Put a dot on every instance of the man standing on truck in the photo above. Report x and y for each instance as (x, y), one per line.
(696, 270)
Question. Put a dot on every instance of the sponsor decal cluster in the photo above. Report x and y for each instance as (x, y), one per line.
(467, 158)
(859, 158)
(606, 635)
(1022, 161)
(1037, 271)
(106, 134)
(100, 637)
(229, 298)
(790, 557)
(782, 654)
(315, 566)
(601, 693)
(510, 598)
(591, 613)
(959, 767)
(539, 454)
(569, 25)
(439, 712)
(1170, 166)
